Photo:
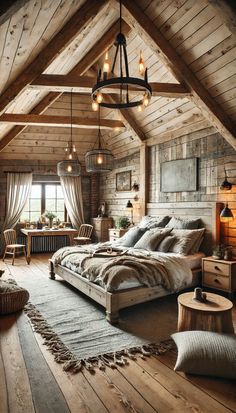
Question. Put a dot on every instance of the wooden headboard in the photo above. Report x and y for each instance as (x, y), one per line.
(208, 212)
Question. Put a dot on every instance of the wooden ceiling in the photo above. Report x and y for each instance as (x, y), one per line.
(48, 47)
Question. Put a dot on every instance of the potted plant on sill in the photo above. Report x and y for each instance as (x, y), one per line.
(122, 222)
(50, 215)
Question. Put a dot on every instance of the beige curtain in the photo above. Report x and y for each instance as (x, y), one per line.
(18, 190)
(72, 191)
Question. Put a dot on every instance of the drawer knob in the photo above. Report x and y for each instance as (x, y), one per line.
(217, 268)
(216, 281)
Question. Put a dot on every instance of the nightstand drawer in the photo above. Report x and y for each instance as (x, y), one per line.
(113, 238)
(217, 268)
(216, 281)
(114, 233)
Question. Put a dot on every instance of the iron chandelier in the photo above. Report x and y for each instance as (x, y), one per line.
(124, 82)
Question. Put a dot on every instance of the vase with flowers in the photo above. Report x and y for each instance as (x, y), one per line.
(50, 216)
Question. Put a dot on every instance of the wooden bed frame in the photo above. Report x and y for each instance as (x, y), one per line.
(113, 302)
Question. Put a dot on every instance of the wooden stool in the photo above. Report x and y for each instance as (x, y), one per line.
(213, 315)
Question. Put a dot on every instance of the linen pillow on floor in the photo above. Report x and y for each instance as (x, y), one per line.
(206, 353)
(152, 238)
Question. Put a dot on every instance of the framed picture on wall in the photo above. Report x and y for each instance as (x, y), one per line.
(179, 175)
(123, 181)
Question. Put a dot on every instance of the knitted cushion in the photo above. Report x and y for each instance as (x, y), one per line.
(12, 297)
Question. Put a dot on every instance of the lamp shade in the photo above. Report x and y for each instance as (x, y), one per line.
(226, 214)
(129, 205)
(69, 168)
(99, 160)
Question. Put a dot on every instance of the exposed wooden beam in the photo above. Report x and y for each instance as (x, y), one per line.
(97, 51)
(147, 30)
(59, 42)
(84, 84)
(227, 11)
(9, 7)
(65, 121)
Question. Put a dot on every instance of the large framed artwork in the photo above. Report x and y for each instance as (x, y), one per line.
(180, 175)
(123, 181)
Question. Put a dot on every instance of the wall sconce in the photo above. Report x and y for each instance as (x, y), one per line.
(226, 214)
(129, 206)
(225, 185)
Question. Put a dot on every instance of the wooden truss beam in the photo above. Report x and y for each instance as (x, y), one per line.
(84, 84)
(65, 121)
(95, 53)
(59, 42)
(147, 30)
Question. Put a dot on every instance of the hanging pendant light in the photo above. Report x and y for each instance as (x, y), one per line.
(70, 166)
(99, 160)
(124, 82)
(226, 214)
(225, 185)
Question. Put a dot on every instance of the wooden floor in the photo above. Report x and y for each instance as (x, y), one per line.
(30, 380)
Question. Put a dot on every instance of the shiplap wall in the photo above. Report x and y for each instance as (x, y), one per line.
(116, 200)
(213, 152)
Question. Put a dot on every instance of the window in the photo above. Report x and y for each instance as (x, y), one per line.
(44, 197)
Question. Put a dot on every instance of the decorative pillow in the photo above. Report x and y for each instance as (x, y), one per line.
(185, 240)
(131, 237)
(180, 223)
(206, 353)
(152, 238)
(153, 222)
(196, 246)
(12, 297)
(166, 243)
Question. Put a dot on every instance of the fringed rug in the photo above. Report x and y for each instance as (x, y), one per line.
(77, 333)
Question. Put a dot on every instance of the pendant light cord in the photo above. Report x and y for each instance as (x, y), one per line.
(71, 119)
(120, 15)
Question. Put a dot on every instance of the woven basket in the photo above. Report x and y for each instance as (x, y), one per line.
(13, 301)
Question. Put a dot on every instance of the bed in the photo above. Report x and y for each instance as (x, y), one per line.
(133, 291)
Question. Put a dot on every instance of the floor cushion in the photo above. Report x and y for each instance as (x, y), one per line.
(12, 297)
(206, 353)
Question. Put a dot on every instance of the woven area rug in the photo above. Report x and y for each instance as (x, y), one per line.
(76, 331)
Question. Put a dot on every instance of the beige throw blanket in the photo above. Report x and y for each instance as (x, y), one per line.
(148, 268)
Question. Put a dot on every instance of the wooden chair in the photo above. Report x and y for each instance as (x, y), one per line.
(11, 246)
(84, 235)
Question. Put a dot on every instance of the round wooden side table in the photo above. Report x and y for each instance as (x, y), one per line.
(213, 315)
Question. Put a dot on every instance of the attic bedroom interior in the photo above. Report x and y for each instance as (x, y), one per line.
(117, 206)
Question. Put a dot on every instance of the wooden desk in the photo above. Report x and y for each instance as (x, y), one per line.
(71, 233)
(213, 315)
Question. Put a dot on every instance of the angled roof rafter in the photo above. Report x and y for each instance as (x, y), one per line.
(136, 18)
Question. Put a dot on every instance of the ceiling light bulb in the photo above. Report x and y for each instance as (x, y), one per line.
(100, 159)
(145, 100)
(69, 168)
(66, 149)
(70, 156)
(140, 108)
(74, 148)
(106, 65)
(95, 105)
(141, 64)
(99, 97)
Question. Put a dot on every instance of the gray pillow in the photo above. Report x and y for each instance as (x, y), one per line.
(185, 240)
(180, 223)
(166, 243)
(153, 222)
(206, 353)
(152, 238)
(131, 237)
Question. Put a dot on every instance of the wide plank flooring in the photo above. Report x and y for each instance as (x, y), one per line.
(31, 381)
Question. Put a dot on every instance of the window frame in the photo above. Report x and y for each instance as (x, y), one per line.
(43, 196)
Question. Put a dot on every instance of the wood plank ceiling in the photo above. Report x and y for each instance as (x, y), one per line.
(44, 39)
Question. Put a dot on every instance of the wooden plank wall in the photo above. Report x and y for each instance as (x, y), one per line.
(116, 201)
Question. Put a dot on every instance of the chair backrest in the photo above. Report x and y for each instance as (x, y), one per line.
(85, 230)
(10, 236)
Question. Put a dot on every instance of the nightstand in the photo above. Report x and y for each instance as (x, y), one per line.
(115, 234)
(219, 274)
